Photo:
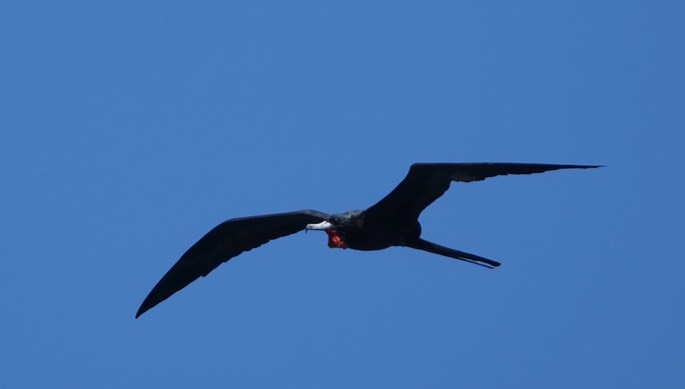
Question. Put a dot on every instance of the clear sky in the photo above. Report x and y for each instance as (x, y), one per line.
(128, 129)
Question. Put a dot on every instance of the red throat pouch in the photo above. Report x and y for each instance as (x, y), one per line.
(335, 240)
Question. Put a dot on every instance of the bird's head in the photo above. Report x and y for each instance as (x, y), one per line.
(338, 226)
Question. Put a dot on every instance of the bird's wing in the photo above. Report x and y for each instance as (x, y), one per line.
(425, 182)
(225, 241)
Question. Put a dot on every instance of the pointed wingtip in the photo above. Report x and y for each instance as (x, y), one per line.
(144, 307)
(560, 166)
(489, 263)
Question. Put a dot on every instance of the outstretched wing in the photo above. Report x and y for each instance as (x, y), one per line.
(227, 240)
(425, 182)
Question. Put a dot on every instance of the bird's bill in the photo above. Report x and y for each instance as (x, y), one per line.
(319, 226)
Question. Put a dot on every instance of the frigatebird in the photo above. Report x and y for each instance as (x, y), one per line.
(393, 221)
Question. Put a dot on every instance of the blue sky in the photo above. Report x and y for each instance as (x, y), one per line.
(129, 129)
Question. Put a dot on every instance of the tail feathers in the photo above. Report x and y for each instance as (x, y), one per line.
(425, 245)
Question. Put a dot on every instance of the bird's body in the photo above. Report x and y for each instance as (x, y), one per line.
(393, 221)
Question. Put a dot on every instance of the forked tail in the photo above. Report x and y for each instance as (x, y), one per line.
(425, 245)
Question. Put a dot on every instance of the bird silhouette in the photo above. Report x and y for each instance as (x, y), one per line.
(393, 221)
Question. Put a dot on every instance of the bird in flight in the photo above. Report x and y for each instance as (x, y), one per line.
(393, 221)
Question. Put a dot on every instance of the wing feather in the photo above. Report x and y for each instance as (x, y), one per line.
(426, 182)
(225, 241)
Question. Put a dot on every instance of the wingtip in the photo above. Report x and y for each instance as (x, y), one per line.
(562, 166)
(143, 308)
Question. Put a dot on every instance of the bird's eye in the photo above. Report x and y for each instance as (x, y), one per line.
(335, 219)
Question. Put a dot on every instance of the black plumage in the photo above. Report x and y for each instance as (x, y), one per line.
(393, 221)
